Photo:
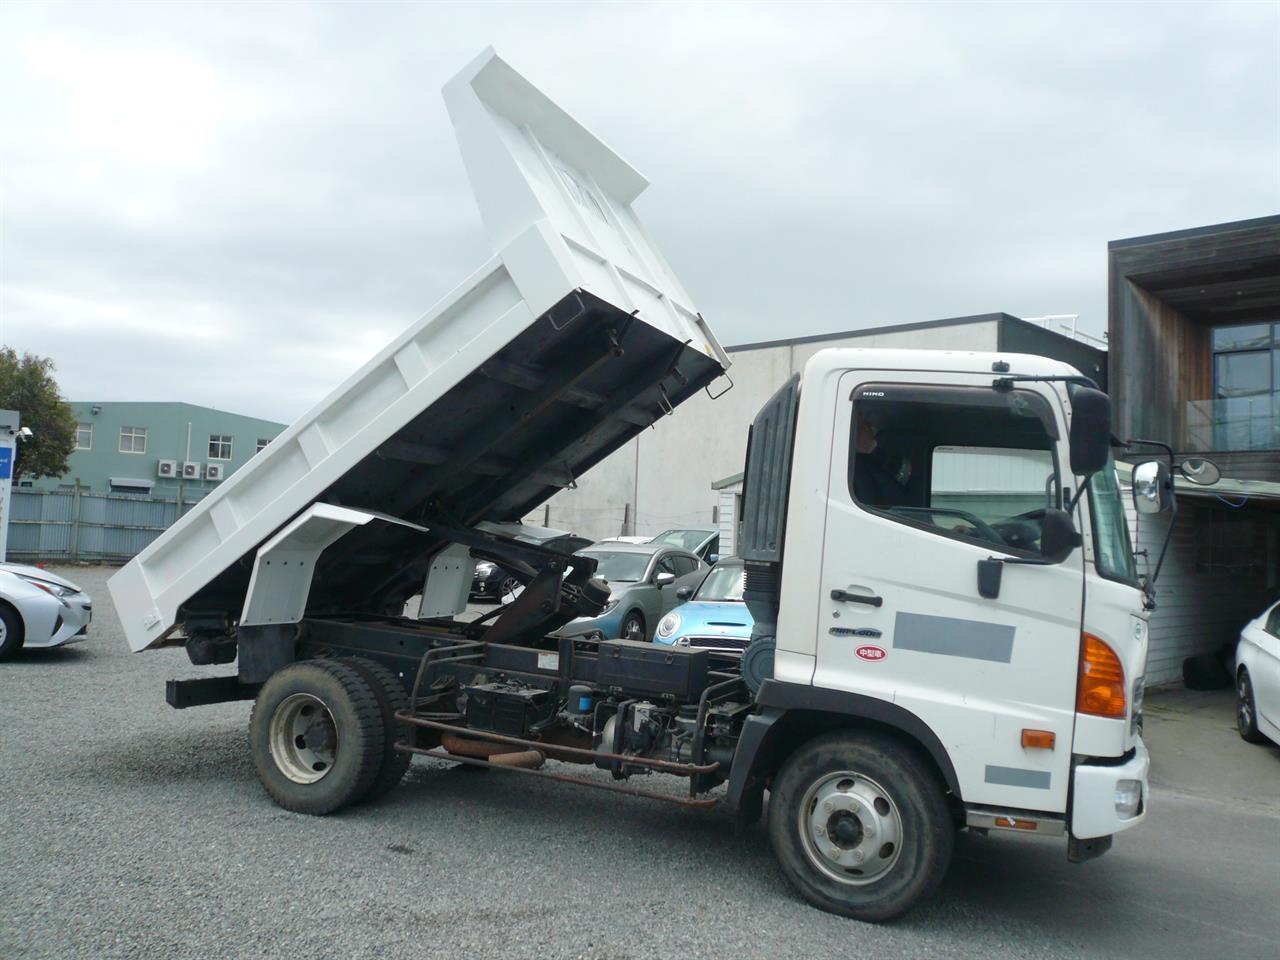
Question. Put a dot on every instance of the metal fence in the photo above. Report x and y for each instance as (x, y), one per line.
(73, 526)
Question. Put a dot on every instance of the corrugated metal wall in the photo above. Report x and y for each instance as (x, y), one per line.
(53, 526)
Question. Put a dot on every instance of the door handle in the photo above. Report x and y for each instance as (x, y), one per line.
(856, 598)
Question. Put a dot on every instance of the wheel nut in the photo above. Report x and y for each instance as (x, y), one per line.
(857, 856)
(819, 831)
(826, 806)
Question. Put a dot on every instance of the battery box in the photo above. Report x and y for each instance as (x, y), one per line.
(651, 670)
(502, 708)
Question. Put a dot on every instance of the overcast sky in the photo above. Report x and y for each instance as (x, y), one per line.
(236, 205)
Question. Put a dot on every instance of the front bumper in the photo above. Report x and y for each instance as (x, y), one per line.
(72, 624)
(1095, 787)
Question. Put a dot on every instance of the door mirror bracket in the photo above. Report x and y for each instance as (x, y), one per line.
(1058, 538)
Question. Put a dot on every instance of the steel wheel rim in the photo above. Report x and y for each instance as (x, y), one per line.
(850, 828)
(1244, 706)
(303, 738)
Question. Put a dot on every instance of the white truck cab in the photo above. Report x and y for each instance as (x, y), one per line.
(949, 631)
(913, 584)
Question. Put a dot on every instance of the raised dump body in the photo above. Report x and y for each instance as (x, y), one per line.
(574, 337)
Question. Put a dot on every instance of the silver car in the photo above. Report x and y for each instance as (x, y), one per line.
(643, 581)
(40, 609)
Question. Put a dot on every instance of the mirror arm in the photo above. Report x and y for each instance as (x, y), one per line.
(1168, 535)
(1168, 450)
(1149, 587)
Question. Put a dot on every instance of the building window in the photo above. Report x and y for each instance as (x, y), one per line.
(1229, 544)
(219, 446)
(84, 436)
(1246, 386)
(133, 439)
(262, 443)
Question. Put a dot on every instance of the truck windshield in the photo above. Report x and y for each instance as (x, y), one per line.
(1112, 549)
(724, 582)
(619, 567)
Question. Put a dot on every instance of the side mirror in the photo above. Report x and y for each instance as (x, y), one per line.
(664, 578)
(713, 558)
(1152, 491)
(1200, 471)
(1058, 536)
(1090, 431)
(684, 593)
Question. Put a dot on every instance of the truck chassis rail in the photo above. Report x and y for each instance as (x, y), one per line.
(663, 766)
(563, 777)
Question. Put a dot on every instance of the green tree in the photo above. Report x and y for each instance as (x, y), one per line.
(27, 386)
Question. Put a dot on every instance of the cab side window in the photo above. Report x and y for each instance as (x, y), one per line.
(667, 565)
(968, 463)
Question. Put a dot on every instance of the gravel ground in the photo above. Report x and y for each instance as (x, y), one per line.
(134, 830)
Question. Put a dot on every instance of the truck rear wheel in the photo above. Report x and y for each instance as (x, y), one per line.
(391, 695)
(316, 735)
(860, 826)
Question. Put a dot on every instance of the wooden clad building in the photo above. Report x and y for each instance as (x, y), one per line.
(1194, 361)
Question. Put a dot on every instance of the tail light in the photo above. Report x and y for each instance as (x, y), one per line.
(1100, 691)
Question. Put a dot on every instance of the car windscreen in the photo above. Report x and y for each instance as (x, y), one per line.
(684, 539)
(619, 567)
(724, 582)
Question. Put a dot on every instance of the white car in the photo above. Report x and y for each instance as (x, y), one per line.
(1258, 678)
(40, 609)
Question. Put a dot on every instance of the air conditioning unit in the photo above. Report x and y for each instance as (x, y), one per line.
(167, 468)
(191, 471)
(213, 471)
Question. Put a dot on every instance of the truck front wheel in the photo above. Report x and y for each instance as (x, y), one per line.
(860, 826)
(317, 736)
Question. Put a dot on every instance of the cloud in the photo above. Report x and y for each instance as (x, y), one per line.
(236, 205)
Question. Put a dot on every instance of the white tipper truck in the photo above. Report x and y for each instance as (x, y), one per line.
(925, 657)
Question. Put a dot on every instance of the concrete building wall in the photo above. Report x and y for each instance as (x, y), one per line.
(667, 472)
(166, 426)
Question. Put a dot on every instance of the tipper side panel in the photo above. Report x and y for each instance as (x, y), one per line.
(553, 354)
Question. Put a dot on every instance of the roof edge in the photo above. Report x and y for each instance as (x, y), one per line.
(863, 331)
(1233, 226)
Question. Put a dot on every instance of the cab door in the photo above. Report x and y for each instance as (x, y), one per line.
(925, 482)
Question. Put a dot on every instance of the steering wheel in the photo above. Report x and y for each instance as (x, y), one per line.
(1022, 531)
(982, 529)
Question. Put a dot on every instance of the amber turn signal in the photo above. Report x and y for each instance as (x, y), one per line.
(1010, 823)
(1038, 739)
(1100, 691)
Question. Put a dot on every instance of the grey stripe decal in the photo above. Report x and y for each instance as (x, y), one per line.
(1017, 777)
(951, 637)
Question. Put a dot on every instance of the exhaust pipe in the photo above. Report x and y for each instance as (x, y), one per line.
(496, 753)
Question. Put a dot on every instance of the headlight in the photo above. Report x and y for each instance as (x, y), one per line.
(1128, 795)
(52, 589)
(484, 568)
(668, 624)
(609, 605)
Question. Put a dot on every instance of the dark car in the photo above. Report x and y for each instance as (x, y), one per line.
(493, 582)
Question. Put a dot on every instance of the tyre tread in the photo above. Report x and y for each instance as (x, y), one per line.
(392, 696)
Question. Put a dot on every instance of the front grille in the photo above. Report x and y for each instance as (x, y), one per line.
(719, 644)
